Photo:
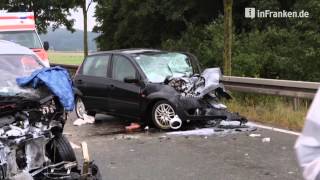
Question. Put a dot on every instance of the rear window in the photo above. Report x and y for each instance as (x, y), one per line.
(28, 39)
(96, 66)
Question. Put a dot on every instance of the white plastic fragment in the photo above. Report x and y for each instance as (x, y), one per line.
(266, 140)
(89, 119)
(176, 122)
(255, 135)
(86, 120)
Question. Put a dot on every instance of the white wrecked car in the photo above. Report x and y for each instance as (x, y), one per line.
(32, 145)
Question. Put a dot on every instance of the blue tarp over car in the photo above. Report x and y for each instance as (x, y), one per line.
(57, 80)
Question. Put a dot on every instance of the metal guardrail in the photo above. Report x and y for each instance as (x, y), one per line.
(296, 89)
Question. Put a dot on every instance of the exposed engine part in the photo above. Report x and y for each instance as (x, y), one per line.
(24, 135)
(186, 86)
(175, 123)
(201, 94)
(197, 85)
(31, 143)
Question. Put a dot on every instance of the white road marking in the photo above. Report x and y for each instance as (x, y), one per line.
(273, 129)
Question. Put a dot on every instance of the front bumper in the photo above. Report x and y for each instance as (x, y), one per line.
(211, 114)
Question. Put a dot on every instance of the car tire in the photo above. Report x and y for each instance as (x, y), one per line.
(79, 107)
(59, 149)
(162, 112)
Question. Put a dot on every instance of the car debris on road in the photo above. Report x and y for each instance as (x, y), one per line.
(86, 120)
(266, 140)
(255, 135)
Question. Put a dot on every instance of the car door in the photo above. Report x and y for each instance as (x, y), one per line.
(124, 97)
(92, 81)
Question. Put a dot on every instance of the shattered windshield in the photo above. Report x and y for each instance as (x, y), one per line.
(12, 67)
(158, 66)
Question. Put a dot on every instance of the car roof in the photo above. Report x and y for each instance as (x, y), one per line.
(129, 51)
(7, 47)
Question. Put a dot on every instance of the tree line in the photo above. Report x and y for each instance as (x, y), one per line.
(281, 48)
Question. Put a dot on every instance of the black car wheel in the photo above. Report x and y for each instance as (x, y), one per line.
(59, 149)
(162, 112)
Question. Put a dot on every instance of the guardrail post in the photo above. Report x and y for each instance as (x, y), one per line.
(296, 102)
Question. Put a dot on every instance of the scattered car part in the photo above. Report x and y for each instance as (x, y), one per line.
(175, 123)
(87, 119)
(133, 127)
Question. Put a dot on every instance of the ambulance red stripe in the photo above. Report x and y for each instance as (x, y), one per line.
(27, 26)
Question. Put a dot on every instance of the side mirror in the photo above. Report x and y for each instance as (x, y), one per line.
(46, 45)
(131, 80)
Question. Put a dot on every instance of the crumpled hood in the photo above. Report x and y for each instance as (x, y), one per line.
(197, 85)
(212, 78)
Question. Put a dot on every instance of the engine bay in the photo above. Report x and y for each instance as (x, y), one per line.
(32, 145)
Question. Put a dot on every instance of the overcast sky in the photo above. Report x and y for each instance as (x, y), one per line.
(78, 24)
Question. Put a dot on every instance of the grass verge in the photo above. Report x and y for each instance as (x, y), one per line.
(65, 57)
(276, 111)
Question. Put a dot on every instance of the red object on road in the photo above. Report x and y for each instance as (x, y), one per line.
(133, 127)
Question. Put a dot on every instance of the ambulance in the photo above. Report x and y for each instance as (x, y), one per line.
(20, 28)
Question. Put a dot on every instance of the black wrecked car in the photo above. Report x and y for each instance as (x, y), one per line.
(165, 88)
(32, 145)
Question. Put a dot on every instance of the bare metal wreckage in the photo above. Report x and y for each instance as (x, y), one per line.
(32, 145)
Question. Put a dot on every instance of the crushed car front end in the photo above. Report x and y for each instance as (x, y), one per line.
(32, 144)
(194, 96)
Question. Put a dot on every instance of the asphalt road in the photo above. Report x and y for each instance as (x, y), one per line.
(158, 156)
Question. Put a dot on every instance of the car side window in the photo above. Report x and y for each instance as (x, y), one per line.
(96, 66)
(122, 68)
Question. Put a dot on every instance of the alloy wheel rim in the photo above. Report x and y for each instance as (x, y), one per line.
(163, 114)
(80, 108)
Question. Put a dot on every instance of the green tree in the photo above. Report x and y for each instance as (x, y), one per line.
(47, 13)
(206, 42)
(146, 23)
